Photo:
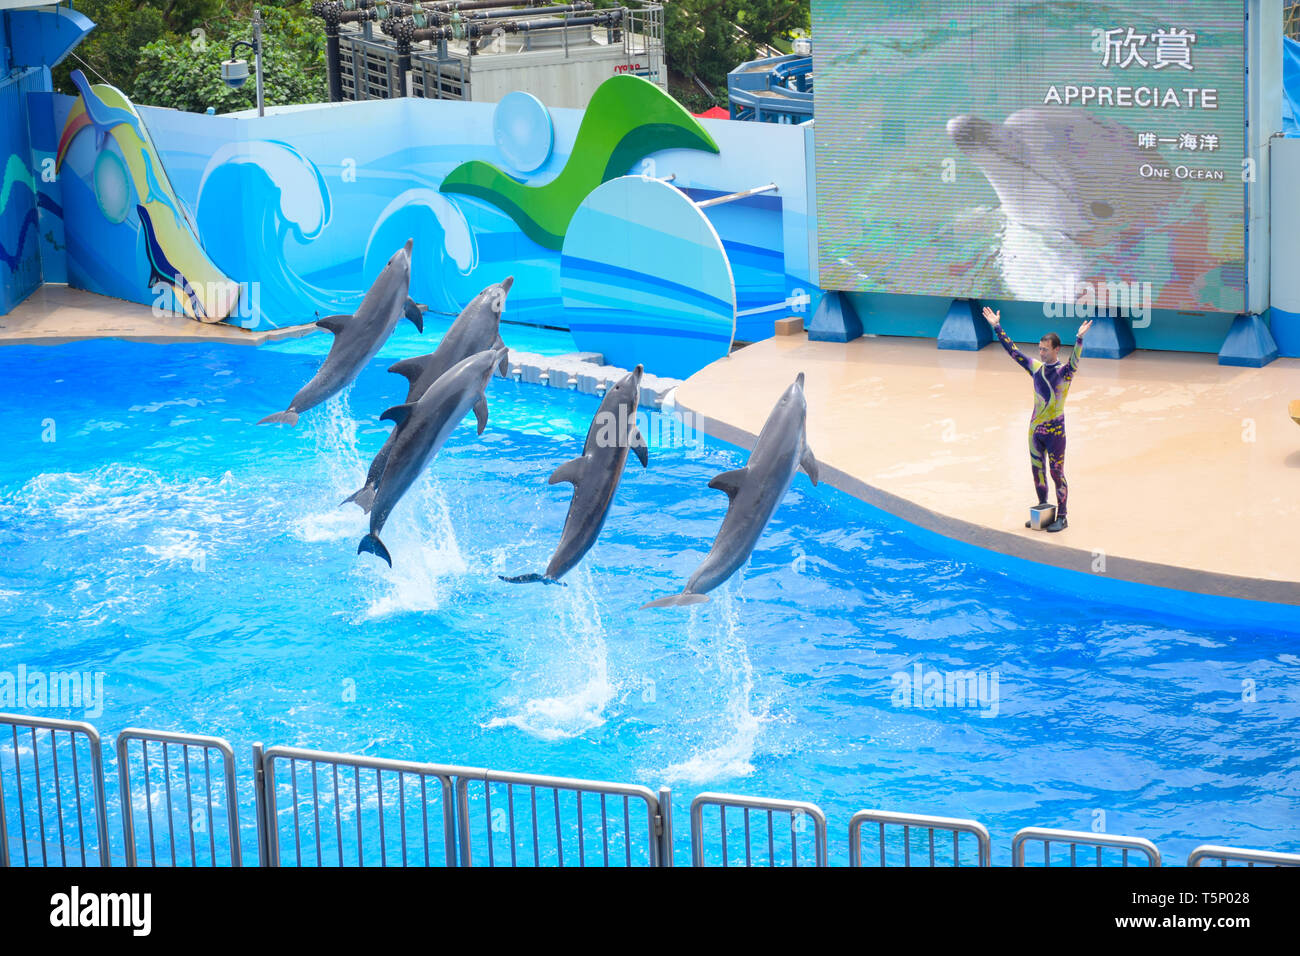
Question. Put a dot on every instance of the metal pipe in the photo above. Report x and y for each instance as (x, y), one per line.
(473, 25)
(404, 66)
(257, 49)
(666, 828)
(732, 197)
(332, 66)
(445, 9)
(266, 832)
(480, 29)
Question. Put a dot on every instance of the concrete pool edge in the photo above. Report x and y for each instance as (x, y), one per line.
(61, 315)
(1006, 545)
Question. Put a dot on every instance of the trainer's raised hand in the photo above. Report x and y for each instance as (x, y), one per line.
(1083, 329)
(992, 316)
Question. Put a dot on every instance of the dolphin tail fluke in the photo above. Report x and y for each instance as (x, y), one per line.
(280, 418)
(372, 544)
(676, 600)
(530, 579)
(363, 498)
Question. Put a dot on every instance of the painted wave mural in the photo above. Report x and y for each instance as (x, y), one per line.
(299, 210)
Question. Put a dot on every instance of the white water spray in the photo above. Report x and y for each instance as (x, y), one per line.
(730, 738)
(573, 666)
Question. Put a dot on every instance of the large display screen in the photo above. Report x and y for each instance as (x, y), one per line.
(1029, 150)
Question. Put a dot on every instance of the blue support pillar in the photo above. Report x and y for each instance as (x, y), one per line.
(1110, 337)
(835, 320)
(1248, 343)
(965, 328)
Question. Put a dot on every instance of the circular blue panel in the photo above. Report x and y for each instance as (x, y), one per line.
(644, 278)
(523, 130)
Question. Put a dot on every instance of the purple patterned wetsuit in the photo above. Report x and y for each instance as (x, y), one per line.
(1047, 426)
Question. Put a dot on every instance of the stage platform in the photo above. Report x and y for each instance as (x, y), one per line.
(55, 314)
(1183, 473)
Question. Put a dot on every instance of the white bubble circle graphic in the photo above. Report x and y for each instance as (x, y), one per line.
(522, 127)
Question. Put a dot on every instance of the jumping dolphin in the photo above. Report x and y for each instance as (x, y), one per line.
(475, 329)
(755, 491)
(429, 422)
(357, 337)
(595, 475)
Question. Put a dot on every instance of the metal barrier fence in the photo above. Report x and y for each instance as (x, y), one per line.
(170, 770)
(341, 809)
(1075, 839)
(1227, 854)
(928, 824)
(361, 803)
(539, 839)
(797, 810)
(84, 779)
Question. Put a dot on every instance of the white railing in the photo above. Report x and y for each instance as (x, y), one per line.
(925, 826)
(317, 808)
(1074, 839)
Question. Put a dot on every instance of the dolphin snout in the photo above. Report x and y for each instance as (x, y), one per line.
(970, 131)
(506, 283)
(409, 244)
(636, 373)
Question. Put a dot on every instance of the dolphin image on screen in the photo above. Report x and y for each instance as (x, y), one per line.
(1069, 185)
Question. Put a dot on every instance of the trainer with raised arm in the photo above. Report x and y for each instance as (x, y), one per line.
(1047, 426)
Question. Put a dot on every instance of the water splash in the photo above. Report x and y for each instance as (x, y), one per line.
(342, 469)
(714, 635)
(576, 666)
(421, 537)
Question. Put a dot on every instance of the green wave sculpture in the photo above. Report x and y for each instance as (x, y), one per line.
(627, 119)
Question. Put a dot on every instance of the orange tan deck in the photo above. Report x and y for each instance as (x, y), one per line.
(1183, 473)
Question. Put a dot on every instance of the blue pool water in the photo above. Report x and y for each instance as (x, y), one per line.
(203, 565)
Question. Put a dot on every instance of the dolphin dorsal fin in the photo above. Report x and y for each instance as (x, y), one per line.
(809, 463)
(397, 414)
(334, 323)
(504, 364)
(413, 312)
(730, 481)
(480, 413)
(570, 471)
(411, 368)
(636, 442)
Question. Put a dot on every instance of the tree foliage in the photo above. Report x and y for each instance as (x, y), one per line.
(185, 73)
(709, 38)
(111, 51)
(169, 52)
